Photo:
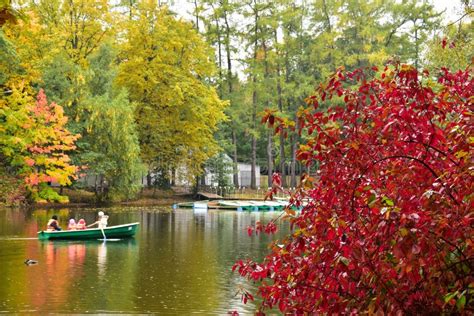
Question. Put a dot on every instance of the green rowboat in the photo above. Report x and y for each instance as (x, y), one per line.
(118, 231)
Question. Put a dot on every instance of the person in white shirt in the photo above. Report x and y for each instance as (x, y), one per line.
(101, 222)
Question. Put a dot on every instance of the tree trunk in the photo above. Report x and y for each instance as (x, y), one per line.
(253, 176)
(253, 168)
(416, 46)
(196, 186)
(234, 158)
(293, 139)
(280, 108)
(227, 49)
(148, 179)
(173, 176)
(197, 15)
(130, 10)
(230, 90)
(294, 147)
(219, 49)
(269, 157)
(329, 30)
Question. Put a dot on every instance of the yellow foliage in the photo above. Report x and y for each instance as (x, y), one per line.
(165, 66)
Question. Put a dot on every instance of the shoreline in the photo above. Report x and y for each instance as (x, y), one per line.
(85, 199)
(147, 197)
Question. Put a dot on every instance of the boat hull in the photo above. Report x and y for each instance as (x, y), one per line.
(119, 231)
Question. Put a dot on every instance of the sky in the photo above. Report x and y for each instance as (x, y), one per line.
(453, 8)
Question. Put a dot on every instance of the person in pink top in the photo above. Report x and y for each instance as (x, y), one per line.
(72, 224)
(81, 224)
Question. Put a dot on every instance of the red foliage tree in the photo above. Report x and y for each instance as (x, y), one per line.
(387, 223)
(49, 141)
(34, 142)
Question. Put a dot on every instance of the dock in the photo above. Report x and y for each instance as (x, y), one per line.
(209, 196)
(237, 205)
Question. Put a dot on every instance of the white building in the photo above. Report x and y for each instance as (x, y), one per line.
(244, 171)
(182, 179)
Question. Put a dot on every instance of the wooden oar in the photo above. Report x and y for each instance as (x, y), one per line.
(105, 238)
(103, 233)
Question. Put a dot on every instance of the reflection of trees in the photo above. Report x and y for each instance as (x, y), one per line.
(190, 255)
(13, 275)
(179, 270)
(111, 274)
(67, 276)
(235, 244)
(180, 261)
(87, 278)
(11, 222)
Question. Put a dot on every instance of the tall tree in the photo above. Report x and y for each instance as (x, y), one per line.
(257, 36)
(165, 67)
(109, 146)
(412, 23)
(221, 32)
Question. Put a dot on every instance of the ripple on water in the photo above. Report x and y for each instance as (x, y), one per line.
(179, 263)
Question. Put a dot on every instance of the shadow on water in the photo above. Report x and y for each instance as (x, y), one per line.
(179, 262)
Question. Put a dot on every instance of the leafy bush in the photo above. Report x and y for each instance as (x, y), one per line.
(387, 222)
(48, 194)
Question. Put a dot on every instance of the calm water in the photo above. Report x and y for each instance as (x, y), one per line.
(179, 263)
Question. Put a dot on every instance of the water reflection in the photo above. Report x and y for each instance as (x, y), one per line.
(102, 259)
(179, 262)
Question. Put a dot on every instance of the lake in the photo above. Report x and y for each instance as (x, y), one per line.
(178, 263)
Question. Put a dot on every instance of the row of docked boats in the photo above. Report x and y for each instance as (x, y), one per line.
(237, 205)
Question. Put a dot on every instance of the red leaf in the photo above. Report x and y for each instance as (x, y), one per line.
(249, 230)
(444, 42)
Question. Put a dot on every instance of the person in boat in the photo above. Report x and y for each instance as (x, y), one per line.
(53, 224)
(101, 222)
(81, 224)
(72, 224)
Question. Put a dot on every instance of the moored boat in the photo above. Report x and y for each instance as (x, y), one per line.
(118, 231)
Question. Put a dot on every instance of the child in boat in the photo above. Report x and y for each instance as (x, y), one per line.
(72, 224)
(101, 222)
(81, 224)
(53, 224)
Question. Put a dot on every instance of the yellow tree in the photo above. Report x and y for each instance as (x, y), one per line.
(166, 67)
(54, 42)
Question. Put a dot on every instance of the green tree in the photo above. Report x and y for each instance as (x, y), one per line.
(166, 67)
(412, 23)
(258, 37)
(109, 147)
(9, 61)
(222, 33)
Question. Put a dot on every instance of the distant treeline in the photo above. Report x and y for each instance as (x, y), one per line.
(118, 88)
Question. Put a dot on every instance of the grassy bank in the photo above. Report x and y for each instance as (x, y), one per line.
(147, 197)
(78, 198)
